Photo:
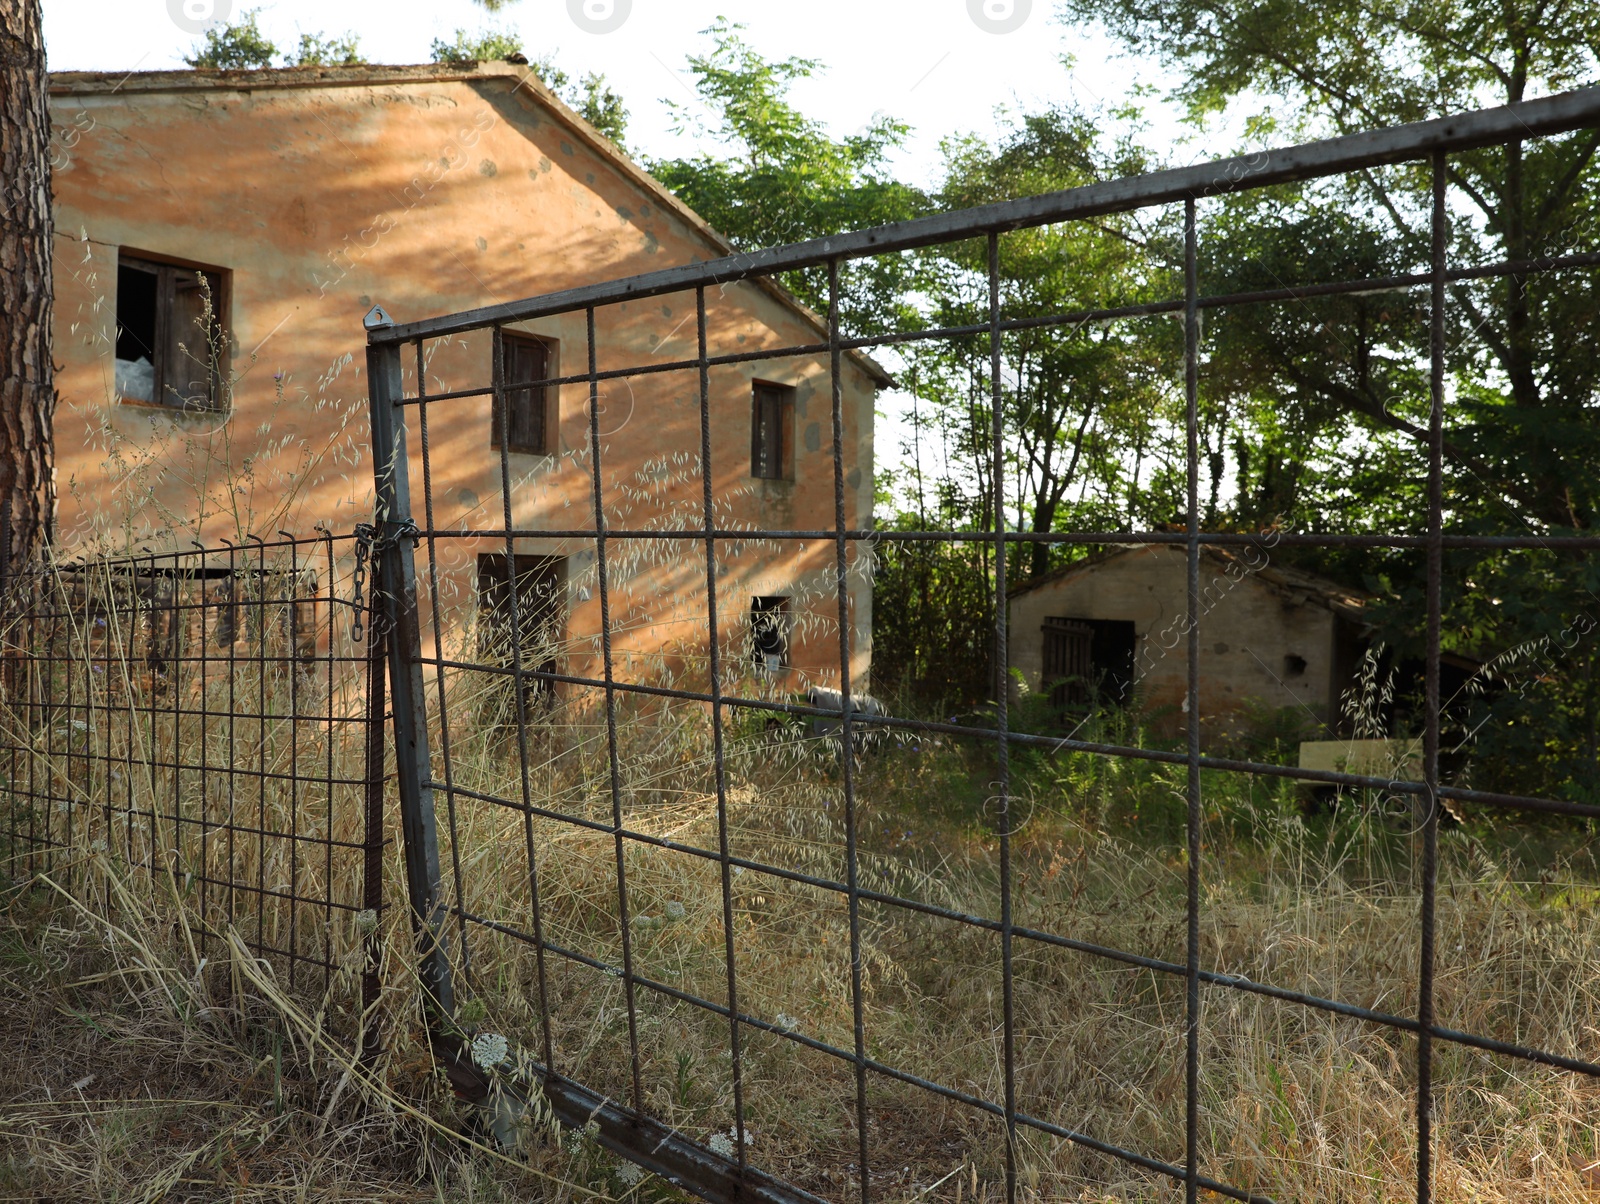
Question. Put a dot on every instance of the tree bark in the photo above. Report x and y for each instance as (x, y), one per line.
(27, 390)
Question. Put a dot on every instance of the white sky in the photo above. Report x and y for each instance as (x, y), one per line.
(925, 62)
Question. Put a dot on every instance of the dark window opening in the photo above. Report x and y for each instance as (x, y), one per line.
(524, 422)
(771, 444)
(1294, 666)
(136, 313)
(170, 347)
(1349, 647)
(769, 633)
(1088, 661)
(539, 617)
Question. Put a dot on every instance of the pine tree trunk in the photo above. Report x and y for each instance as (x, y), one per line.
(27, 390)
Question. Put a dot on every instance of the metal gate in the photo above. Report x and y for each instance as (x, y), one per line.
(200, 720)
(564, 951)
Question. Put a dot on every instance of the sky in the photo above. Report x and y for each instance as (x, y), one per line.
(931, 63)
(943, 66)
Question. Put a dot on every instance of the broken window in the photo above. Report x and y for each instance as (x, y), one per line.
(171, 349)
(769, 633)
(771, 445)
(1088, 661)
(524, 424)
(538, 616)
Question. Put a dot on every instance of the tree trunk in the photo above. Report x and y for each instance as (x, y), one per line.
(27, 391)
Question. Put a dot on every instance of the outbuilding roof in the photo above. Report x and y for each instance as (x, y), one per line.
(1284, 579)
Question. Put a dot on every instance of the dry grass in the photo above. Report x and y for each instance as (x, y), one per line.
(133, 1078)
(155, 1054)
(237, 1083)
(1295, 1103)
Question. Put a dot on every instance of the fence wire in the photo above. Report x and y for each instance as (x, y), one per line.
(642, 817)
(199, 718)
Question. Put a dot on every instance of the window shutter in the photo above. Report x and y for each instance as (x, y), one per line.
(1068, 661)
(188, 353)
(766, 433)
(524, 360)
(527, 412)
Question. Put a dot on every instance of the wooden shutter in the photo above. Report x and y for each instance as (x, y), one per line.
(523, 360)
(1068, 661)
(188, 368)
(768, 458)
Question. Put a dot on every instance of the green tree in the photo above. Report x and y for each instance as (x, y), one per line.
(1527, 430)
(781, 177)
(932, 608)
(601, 106)
(1086, 410)
(1081, 404)
(1329, 394)
(591, 97)
(315, 50)
(491, 45)
(240, 46)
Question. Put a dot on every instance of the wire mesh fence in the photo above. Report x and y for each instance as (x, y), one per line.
(199, 720)
(670, 865)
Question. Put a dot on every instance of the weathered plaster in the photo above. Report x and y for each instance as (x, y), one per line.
(430, 190)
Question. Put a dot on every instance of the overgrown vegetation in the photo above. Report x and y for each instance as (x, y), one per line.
(1308, 417)
(137, 1073)
(182, 969)
(591, 97)
(780, 176)
(1309, 412)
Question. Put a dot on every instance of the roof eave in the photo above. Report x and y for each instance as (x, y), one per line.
(101, 83)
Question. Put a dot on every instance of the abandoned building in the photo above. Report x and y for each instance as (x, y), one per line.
(1112, 628)
(285, 203)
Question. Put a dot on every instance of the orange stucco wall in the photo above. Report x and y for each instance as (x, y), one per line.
(323, 192)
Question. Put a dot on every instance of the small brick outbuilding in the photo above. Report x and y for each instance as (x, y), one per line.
(1115, 627)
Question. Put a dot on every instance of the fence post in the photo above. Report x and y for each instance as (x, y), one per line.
(372, 839)
(397, 601)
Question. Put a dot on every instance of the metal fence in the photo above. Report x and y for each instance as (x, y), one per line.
(201, 720)
(551, 900)
(549, 883)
